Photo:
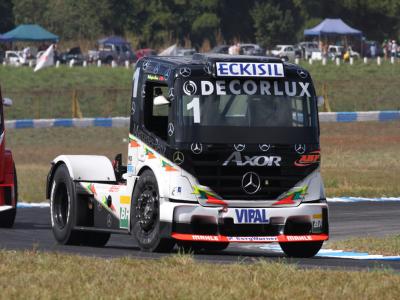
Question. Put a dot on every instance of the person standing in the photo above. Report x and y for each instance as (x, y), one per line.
(385, 49)
(393, 49)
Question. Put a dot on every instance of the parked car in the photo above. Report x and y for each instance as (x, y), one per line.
(222, 49)
(335, 51)
(251, 49)
(286, 52)
(112, 49)
(307, 48)
(15, 58)
(72, 54)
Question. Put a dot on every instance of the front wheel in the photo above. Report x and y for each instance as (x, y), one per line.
(145, 215)
(301, 249)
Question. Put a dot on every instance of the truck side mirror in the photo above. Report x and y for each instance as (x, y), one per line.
(320, 101)
(7, 102)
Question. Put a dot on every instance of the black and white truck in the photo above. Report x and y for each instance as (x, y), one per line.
(221, 149)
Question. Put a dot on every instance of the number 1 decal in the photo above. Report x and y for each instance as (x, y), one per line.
(135, 82)
(195, 105)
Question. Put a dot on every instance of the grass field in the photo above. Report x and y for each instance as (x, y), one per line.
(35, 275)
(387, 245)
(106, 91)
(358, 159)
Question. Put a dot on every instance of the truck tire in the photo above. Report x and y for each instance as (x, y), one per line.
(7, 217)
(145, 215)
(63, 208)
(301, 249)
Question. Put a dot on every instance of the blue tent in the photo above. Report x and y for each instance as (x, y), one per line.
(116, 40)
(332, 27)
(31, 33)
(3, 39)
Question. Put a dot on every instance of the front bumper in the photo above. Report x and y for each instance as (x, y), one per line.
(304, 223)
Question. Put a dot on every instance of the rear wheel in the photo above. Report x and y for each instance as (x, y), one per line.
(63, 208)
(145, 215)
(301, 249)
(7, 217)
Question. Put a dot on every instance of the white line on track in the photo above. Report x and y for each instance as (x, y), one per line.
(335, 253)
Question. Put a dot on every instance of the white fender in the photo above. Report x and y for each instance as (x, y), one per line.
(88, 167)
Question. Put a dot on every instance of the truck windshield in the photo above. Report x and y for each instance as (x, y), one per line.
(277, 111)
(247, 111)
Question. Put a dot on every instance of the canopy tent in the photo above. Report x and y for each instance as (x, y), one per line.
(115, 40)
(3, 39)
(332, 27)
(30, 33)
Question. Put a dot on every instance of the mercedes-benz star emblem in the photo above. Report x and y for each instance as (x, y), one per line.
(185, 72)
(178, 158)
(251, 183)
(301, 73)
(300, 148)
(196, 148)
(109, 220)
(171, 129)
(239, 147)
(146, 64)
(264, 147)
(171, 93)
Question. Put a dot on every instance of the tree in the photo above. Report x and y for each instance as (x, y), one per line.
(273, 25)
(6, 16)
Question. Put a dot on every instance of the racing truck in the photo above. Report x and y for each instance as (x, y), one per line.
(221, 149)
(8, 175)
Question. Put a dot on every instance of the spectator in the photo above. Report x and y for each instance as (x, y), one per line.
(393, 48)
(385, 49)
(373, 50)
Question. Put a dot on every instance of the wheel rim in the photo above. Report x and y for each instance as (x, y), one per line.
(60, 206)
(147, 208)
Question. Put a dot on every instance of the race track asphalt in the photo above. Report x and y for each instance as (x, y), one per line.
(32, 231)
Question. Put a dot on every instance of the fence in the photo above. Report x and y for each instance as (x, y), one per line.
(324, 117)
(59, 103)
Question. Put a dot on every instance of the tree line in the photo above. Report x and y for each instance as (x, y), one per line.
(197, 23)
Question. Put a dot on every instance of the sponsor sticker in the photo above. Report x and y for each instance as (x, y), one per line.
(126, 200)
(308, 159)
(247, 87)
(155, 77)
(251, 216)
(244, 69)
(176, 191)
(124, 217)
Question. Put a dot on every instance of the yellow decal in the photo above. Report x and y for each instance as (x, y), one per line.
(125, 200)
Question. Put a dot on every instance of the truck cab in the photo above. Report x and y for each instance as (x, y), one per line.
(221, 149)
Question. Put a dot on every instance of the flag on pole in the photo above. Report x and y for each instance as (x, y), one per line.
(46, 59)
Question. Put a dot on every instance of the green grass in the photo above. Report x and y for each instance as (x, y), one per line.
(35, 275)
(387, 245)
(106, 91)
(358, 159)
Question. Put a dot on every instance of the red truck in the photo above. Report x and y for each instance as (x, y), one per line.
(8, 175)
